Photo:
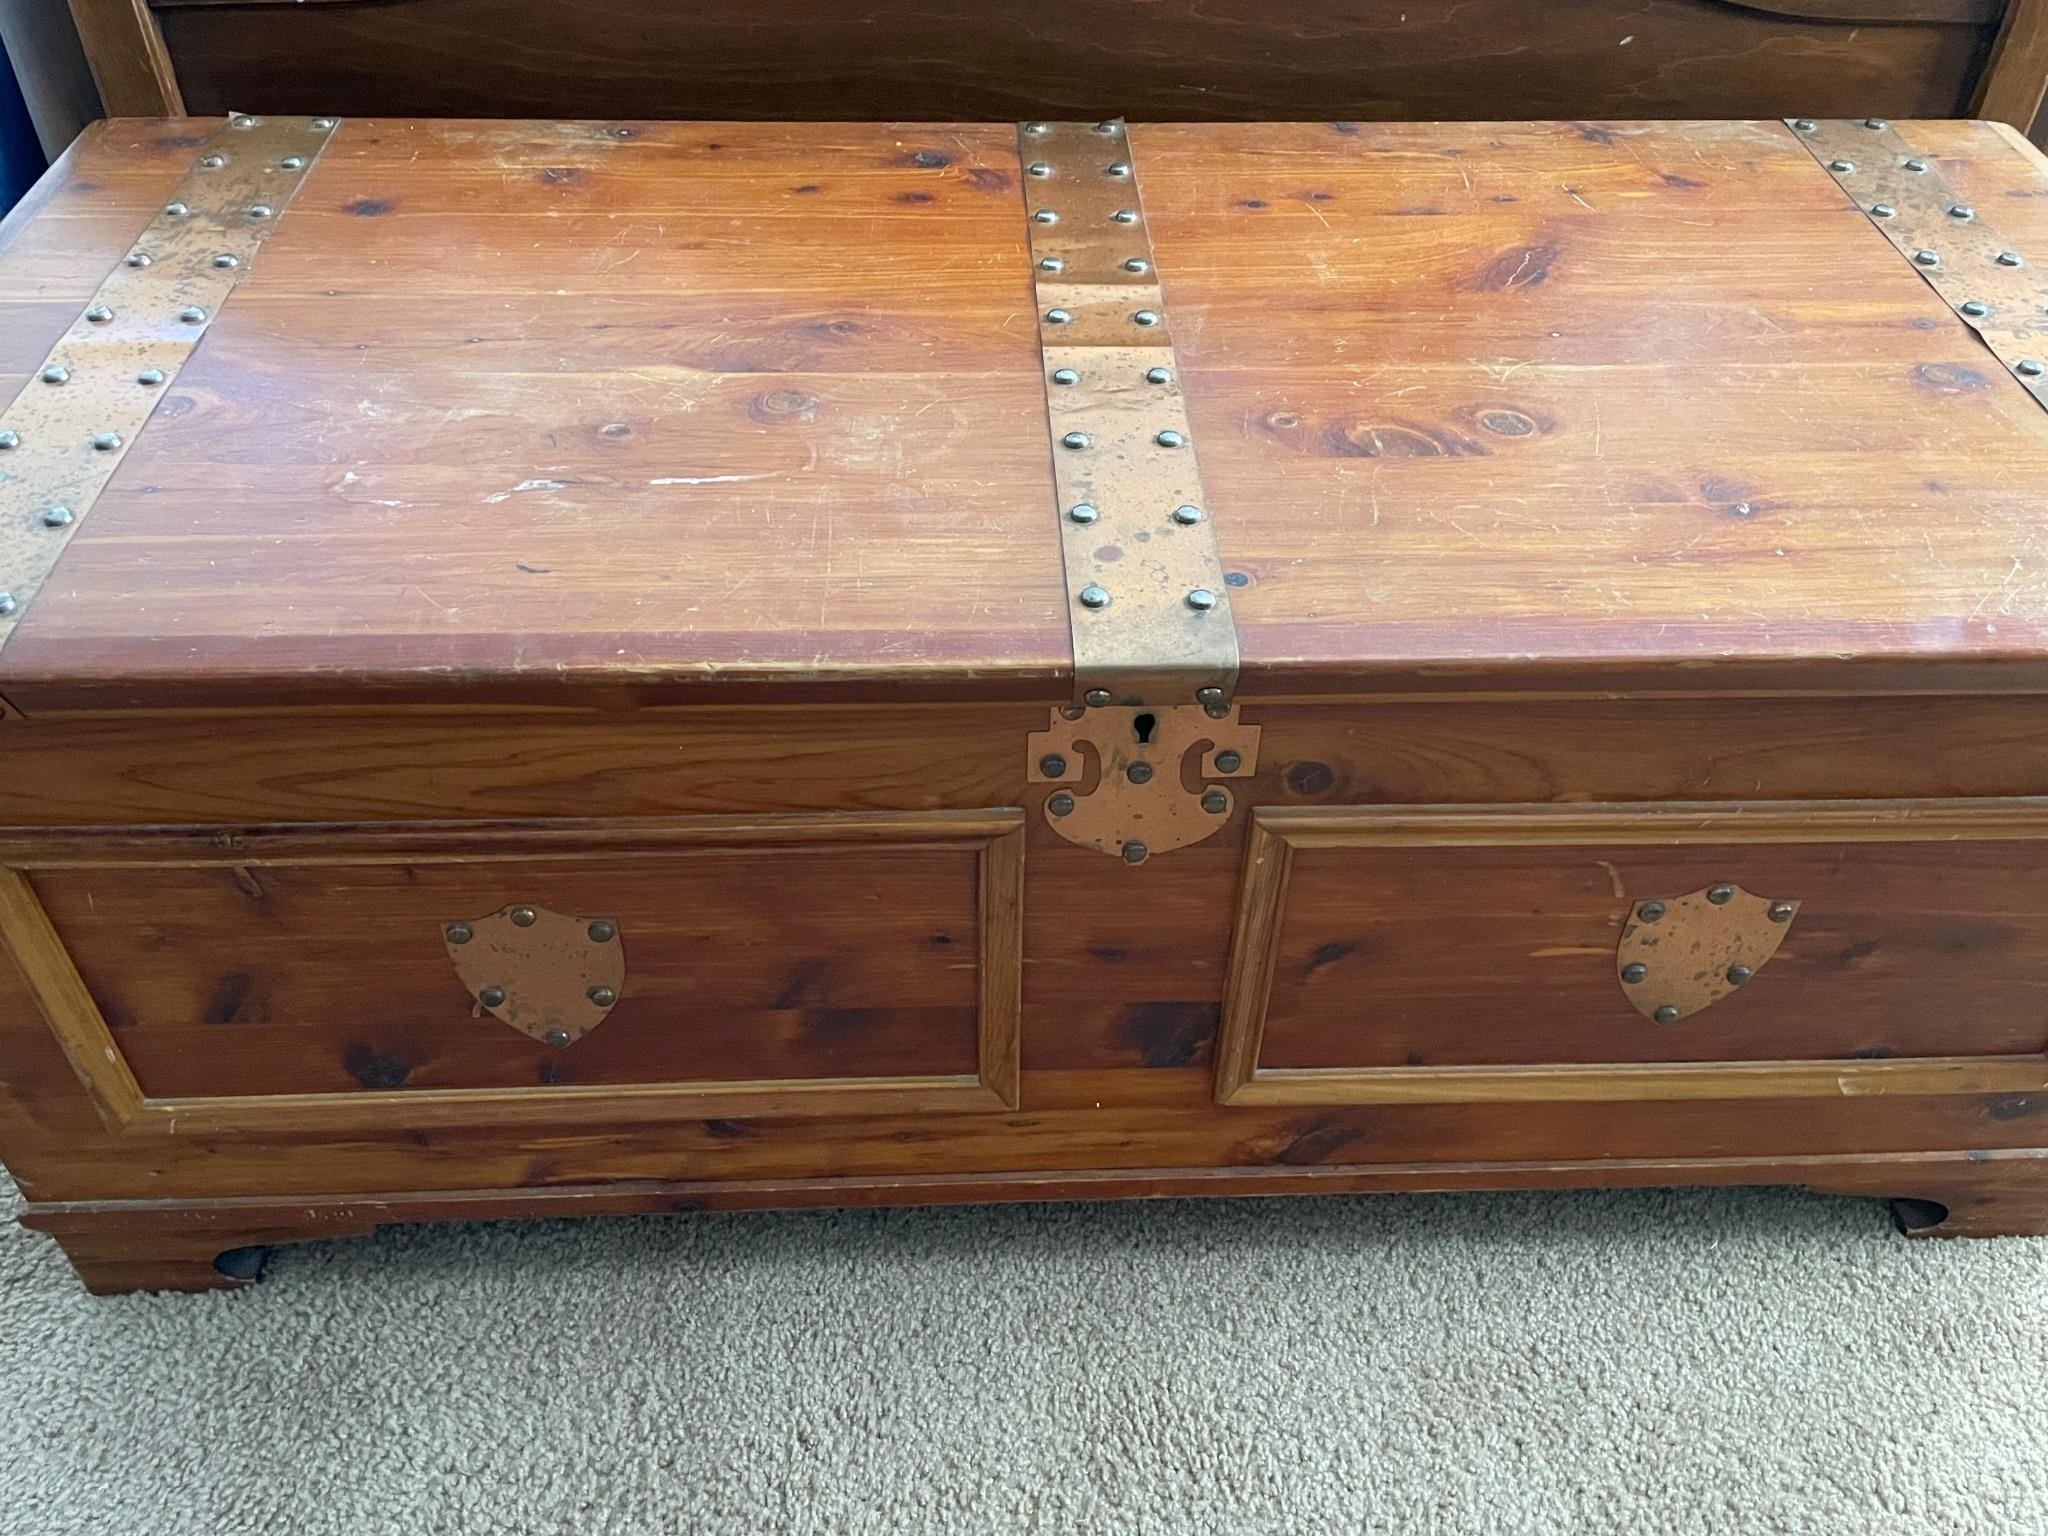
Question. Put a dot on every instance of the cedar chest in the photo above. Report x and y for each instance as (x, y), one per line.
(614, 666)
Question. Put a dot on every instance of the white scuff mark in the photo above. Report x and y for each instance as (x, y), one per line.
(704, 479)
(1614, 878)
(527, 485)
(1626, 41)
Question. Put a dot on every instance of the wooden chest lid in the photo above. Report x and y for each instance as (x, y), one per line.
(685, 410)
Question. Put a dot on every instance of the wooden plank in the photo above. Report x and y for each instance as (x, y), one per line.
(63, 1002)
(2013, 82)
(130, 63)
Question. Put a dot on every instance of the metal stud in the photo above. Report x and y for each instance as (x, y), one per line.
(1061, 804)
(260, 210)
(1052, 765)
(192, 314)
(1781, 912)
(2030, 366)
(324, 124)
(1842, 167)
(1158, 375)
(460, 933)
(1721, 895)
(523, 917)
(1051, 264)
(1094, 597)
(1038, 170)
(55, 373)
(1117, 169)
(1045, 216)
(1075, 441)
(1634, 972)
(226, 261)
(106, 442)
(491, 997)
(604, 997)
(1071, 712)
(1213, 703)
(1738, 974)
(292, 163)
(57, 517)
(99, 314)
(1082, 512)
(2008, 259)
(1650, 911)
(1961, 211)
(1136, 853)
(1109, 130)
(139, 258)
(7, 604)
(1137, 264)
(1926, 259)
(1145, 317)
(1201, 599)
(1097, 696)
(1743, 509)
(1876, 124)
(1215, 802)
(1171, 439)
(1037, 130)
(1057, 316)
(1976, 309)
(602, 933)
(150, 377)
(242, 120)
(1666, 1015)
(1139, 773)
(1805, 124)
(1187, 516)
(557, 1038)
(1883, 211)
(1125, 216)
(176, 210)
(1065, 376)
(9, 440)
(1917, 167)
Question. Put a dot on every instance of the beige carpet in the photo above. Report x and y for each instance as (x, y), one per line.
(1717, 1363)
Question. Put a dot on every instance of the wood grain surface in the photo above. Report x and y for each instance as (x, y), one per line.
(521, 410)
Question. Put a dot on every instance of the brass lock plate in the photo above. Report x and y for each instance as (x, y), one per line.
(1151, 791)
(547, 974)
(1685, 953)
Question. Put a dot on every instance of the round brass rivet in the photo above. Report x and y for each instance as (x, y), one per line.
(1097, 696)
(1158, 376)
(1738, 974)
(292, 163)
(1061, 804)
(242, 120)
(1081, 512)
(1650, 911)
(150, 376)
(523, 917)
(1045, 216)
(1926, 259)
(1228, 761)
(1883, 210)
(1842, 167)
(1976, 309)
(176, 210)
(1052, 765)
(1139, 773)
(1874, 122)
(558, 1038)
(57, 517)
(10, 440)
(1217, 711)
(1051, 264)
(1782, 912)
(1071, 712)
(1125, 216)
(1201, 599)
(1187, 515)
(1137, 264)
(56, 373)
(1135, 853)
(1057, 316)
(2008, 259)
(1215, 802)
(1038, 170)
(1916, 166)
(1074, 440)
(139, 258)
(1118, 169)
(1666, 1015)
(1721, 895)
(1037, 130)
(99, 314)
(106, 442)
(1107, 130)
(260, 210)
(226, 262)
(1805, 124)
(604, 997)
(491, 997)
(1094, 597)
(1171, 439)
(602, 933)
(2029, 366)
(1634, 972)
(213, 162)
(1961, 211)
(1145, 317)
(1065, 376)
(460, 933)
(192, 314)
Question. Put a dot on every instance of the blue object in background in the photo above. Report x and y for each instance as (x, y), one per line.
(21, 157)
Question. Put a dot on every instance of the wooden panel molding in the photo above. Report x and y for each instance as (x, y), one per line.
(1276, 835)
(994, 837)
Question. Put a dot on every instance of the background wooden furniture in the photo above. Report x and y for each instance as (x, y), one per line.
(1173, 60)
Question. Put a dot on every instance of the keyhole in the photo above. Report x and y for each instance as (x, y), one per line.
(1145, 725)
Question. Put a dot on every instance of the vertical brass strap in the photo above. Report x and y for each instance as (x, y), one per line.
(1992, 285)
(1147, 604)
(68, 429)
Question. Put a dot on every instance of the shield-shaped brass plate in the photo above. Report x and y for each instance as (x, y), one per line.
(1685, 953)
(547, 974)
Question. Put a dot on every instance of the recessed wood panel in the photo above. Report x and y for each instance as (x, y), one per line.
(1472, 953)
(799, 963)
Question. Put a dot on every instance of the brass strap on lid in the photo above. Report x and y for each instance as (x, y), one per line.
(71, 425)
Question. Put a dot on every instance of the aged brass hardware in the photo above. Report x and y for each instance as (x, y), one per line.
(550, 976)
(1685, 953)
(1140, 804)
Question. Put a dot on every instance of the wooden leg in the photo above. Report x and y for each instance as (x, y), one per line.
(171, 1251)
(1997, 1195)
